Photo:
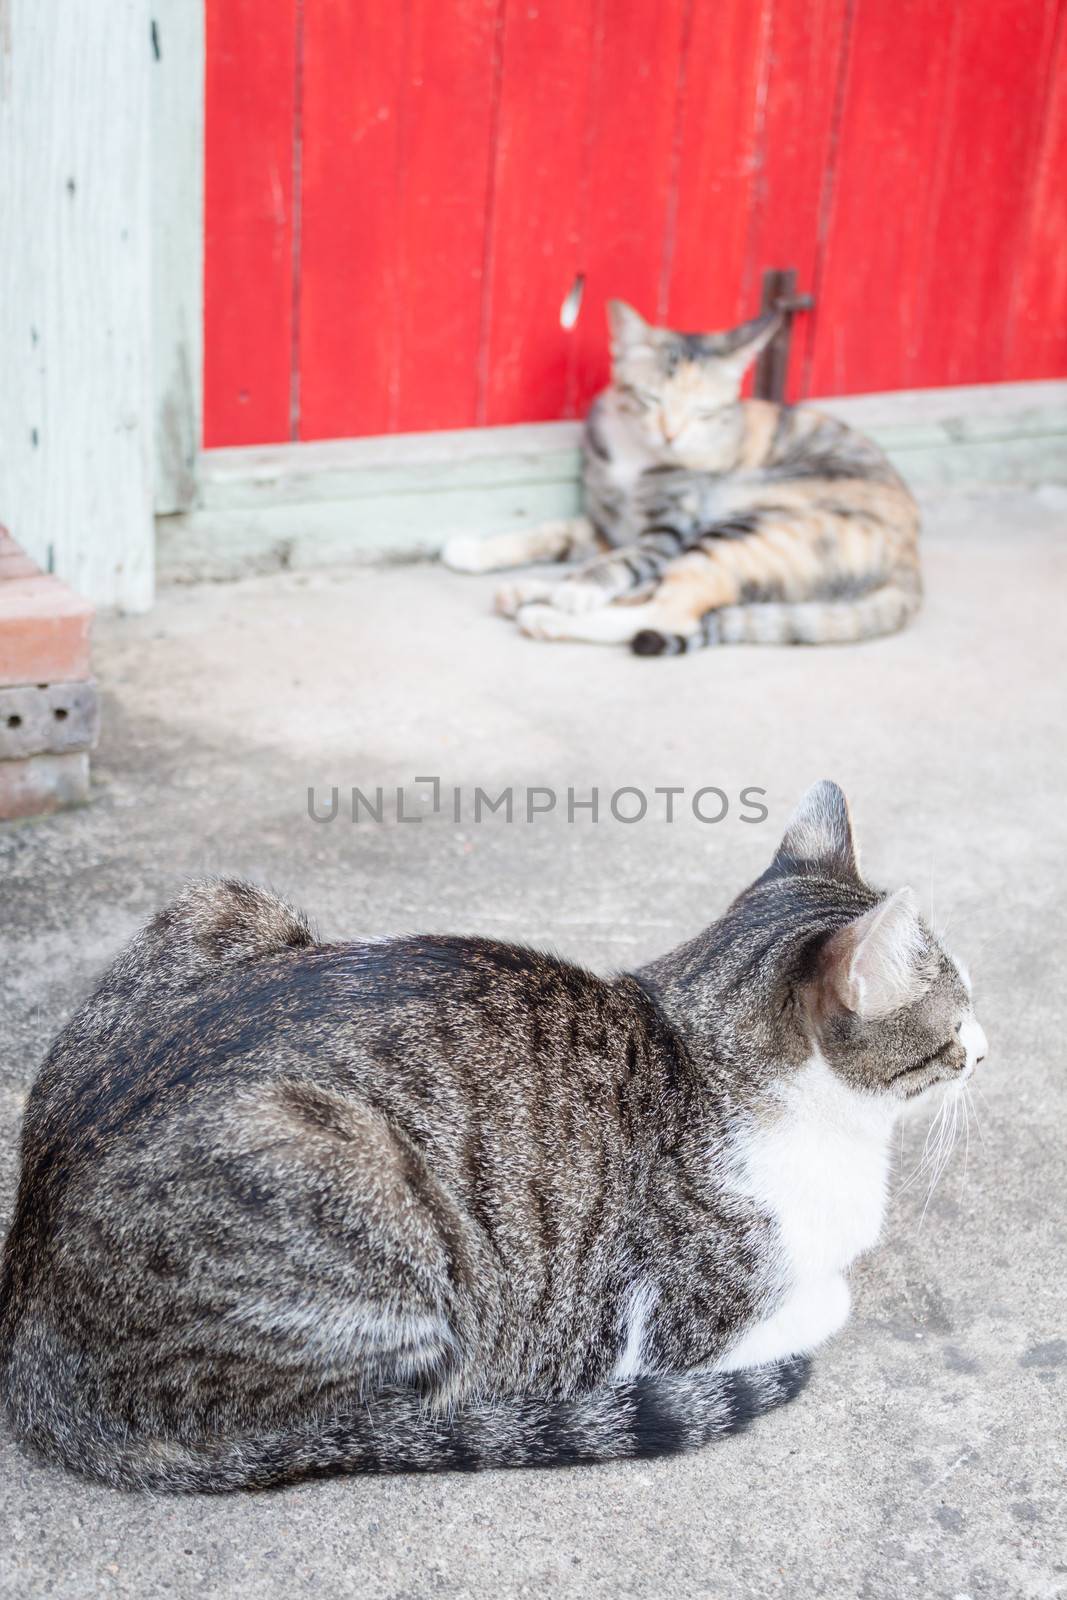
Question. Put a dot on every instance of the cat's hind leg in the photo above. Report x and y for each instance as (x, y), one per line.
(612, 624)
(557, 540)
(376, 1274)
(268, 1266)
(676, 611)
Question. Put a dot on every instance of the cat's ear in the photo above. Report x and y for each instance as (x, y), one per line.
(740, 347)
(628, 328)
(873, 966)
(819, 834)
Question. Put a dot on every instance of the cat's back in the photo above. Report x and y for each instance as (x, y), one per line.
(237, 1101)
(227, 994)
(358, 1018)
(800, 443)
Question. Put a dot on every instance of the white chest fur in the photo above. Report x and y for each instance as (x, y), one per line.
(818, 1165)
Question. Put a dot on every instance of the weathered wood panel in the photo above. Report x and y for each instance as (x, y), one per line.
(177, 90)
(792, 185)
(252, 131)
(986, 146)
(461, 165)
(628, 178)
(394, 193)
(534, 216)
(870, 316)
(722, 91)
(76, 401)
(1037, 328)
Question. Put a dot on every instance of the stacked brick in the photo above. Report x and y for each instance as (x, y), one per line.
(48, 706)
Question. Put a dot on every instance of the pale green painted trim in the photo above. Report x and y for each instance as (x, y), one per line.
(1009, 433)
(395, 526)
(350, 469)
(398, 498)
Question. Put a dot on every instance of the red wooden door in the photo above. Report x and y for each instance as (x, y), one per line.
(400, 194)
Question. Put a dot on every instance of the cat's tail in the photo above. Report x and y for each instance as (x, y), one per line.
(395, 1432)
(884, 610)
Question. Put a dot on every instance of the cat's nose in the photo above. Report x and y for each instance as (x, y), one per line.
(974, 1041)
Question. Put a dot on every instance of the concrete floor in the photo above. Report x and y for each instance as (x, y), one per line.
(925, 1459)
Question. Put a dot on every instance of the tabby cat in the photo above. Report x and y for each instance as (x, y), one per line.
(290, 1208)
(725, 521)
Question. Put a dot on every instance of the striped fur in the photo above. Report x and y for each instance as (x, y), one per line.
(396, 1431)
(719, 521)
(289, 1208)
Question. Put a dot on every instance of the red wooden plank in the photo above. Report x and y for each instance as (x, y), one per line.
(719, 112)
(637, 50)
(448, 119)
(906, 158)
(1037, 331)
(796, 143)
(350, 288)
(869, 318)
(397, 114)
(536, 208)
(249, 102)
(990, 135)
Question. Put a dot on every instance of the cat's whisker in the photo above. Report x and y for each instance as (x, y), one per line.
(934, 1138)
(923, 1151)
(974, 1108)
(940, 1151)
(949, 1144)
(923, 1157)
(981, 1096)
(957, 1120)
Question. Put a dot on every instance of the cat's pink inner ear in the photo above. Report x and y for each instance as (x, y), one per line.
(873, 965)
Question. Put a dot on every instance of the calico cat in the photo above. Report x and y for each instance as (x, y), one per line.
(290, 1208)
(726, 521)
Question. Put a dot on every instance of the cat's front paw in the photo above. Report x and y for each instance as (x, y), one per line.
(510, 596)
(580, 594)
(539, 621)
(465, 555)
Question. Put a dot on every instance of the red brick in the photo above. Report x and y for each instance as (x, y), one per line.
(44, 640)
(44, 631)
